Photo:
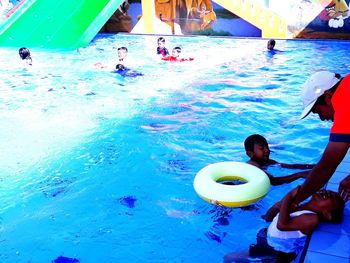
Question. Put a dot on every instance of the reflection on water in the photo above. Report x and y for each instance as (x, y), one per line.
(102, 166)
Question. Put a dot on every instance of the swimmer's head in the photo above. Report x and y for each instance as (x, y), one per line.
(161, 41)
(119, 67)
(176, 51)
(24, 53)
(122, 53)
(271, 44)
(123, 49)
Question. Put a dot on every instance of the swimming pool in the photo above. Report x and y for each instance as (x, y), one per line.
(100, 168)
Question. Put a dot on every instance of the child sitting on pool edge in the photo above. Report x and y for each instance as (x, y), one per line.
(257, 149)
(286, 235)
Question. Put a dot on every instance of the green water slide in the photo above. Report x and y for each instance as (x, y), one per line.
(55, 24)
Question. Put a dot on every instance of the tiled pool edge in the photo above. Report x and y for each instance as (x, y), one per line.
(331, 242)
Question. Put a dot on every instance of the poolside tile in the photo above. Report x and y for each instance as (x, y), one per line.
(344, 167)
(347, 156)
(347, 210)
(332, 186)
(339, 229)
(338, 176)
(313, 257)
(330, 244)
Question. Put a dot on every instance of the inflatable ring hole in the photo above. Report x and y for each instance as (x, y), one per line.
(231, 180)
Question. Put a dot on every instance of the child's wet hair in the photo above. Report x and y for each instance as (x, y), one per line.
(178, 49)
(253, 139)
(123, 48)
(119, 67)
(24, 53)
(272, 42)
(161, 39)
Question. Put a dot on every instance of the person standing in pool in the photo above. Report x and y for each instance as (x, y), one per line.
(122, 53)
(24, 54)
(271, 44)
(258, 150)
(271, 48)
(161, 49)
(286, 235)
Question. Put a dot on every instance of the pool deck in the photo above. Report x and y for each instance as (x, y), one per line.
(331, 242)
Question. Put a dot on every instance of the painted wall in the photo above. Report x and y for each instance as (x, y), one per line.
(314, 19)
(326, 19)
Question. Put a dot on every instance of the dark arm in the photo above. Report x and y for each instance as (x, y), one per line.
(272, 212)
(305, 223)
(297, 166)
(278, 180)
(319, 175)
(292, 166)
(323, 171)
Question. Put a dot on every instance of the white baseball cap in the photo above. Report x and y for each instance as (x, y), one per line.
(314, 87)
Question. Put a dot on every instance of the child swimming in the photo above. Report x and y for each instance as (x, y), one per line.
(175, 56)
(126, 72)
(258, 150)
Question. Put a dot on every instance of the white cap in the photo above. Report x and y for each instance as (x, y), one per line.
(314, 87)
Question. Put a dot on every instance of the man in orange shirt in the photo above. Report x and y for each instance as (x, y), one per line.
(326, 94)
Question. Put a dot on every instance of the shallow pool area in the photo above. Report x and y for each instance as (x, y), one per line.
(99, 167)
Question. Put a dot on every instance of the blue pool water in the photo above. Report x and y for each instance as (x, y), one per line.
(99, 168)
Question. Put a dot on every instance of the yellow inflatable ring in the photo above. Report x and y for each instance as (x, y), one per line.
(256, 184)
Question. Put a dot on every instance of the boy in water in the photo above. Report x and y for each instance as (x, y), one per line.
(24, 54)
(286, 235)
(271, 44)
(161, 49)
(257, 149)
(126, 72)
(175, 56)
(122, 55)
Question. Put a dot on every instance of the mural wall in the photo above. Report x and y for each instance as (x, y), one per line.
(326, 19)
(205, 18)
(314, 19)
